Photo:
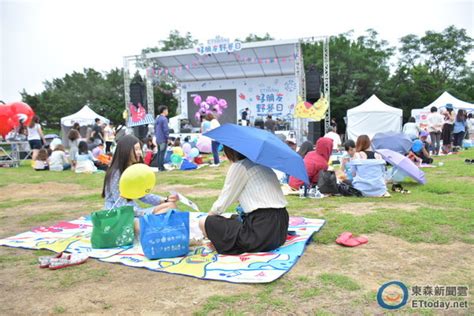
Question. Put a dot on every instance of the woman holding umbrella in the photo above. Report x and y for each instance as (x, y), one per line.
(263, 224)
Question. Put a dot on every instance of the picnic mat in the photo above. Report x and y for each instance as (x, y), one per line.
(201, 262)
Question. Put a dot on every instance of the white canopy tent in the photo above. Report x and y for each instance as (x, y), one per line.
(371, 117)
(421, 114)
(85, 117)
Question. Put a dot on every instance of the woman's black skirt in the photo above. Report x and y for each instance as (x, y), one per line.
(446, 134)
(261, 230)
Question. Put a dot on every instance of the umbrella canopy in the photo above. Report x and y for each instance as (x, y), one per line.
(261, 147)
(403, 163)
(398, 142)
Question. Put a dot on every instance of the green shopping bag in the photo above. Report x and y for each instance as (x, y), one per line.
(113, 228)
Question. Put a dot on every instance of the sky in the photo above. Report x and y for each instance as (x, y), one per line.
(45, 39)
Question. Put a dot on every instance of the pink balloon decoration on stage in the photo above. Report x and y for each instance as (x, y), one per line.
(197, 100)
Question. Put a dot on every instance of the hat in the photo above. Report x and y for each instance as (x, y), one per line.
(424, 134)
(417, 146)
(449, 106)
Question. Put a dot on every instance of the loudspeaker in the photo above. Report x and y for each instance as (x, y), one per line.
(314, 131)
(138, 94)
(313, 84)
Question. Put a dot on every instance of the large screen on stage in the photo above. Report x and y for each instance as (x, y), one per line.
(262, 96)
(228, 115)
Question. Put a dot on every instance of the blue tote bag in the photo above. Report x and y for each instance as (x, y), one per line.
(165, 235)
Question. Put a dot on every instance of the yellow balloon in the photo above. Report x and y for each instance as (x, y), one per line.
(178, 151)
(136, 181)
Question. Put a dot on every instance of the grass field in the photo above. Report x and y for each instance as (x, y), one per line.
(424, 238)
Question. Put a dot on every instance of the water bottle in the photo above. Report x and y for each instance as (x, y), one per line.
(302, 189)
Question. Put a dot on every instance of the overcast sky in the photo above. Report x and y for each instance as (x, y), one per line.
(45, 39)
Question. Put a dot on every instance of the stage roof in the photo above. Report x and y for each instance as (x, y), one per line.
(277, 59)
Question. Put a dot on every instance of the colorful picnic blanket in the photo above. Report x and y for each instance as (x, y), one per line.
(201, 262)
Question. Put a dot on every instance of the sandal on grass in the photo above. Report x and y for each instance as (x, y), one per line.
(44, 261)
(71, 260)
(346, 239)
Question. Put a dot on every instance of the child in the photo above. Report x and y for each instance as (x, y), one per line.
(41, 161)
(350, 148)
(127, 153)
(84, 159)
(177, 147)
(73, 137)
(58, 160)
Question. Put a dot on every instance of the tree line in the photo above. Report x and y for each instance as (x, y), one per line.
(409, 76)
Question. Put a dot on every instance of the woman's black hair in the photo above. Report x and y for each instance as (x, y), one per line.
(305, 148)
(461, 116)
(121, 158)
(233, 155)
(434, 109)
(411, 120)
(82, 148)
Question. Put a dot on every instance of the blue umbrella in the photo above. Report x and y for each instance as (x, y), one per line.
(398, 142)
(261, 147)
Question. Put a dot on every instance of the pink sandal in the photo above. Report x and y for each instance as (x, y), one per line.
(44, 261)
(70, 260)
(347, 240)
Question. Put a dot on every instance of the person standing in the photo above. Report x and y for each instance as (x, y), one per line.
(270, 124)
(35, 137)
(97, 133)
(447, 132)
(336, 139)
(162, 133)
(245, 114)
(435, 125)
(459, 129)
(109, 134)
(214, 145)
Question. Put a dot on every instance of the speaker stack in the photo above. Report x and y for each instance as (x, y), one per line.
(313, 93)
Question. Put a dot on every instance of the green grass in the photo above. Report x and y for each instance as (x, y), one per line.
(340, 281)
(440, 212)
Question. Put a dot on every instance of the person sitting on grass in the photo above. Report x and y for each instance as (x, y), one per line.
(58, 160)
(84, 159)
(127, 153)
(368, 170)
(41, 161)
(314, 162)
(419, 154)
(350, 148)
(264, 224)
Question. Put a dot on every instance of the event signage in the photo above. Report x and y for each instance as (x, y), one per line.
(218, 45)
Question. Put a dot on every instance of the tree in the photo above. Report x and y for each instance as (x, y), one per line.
(255, 38)
(358, 68)
(61, 97)
(430, 65)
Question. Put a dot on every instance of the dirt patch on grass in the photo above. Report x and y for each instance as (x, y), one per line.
(364, 208)
(386, 258)
(43, 190)
(19, 219)
(97, 287)
(189, 190)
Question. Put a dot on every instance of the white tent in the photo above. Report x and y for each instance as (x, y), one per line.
(84, 116)
(371, 117)
(421, 114)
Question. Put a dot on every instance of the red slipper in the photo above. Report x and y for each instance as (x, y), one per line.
(355, 241)
(343, 237)
(71, 260)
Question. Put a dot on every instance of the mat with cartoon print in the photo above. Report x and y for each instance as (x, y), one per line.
(201, 262)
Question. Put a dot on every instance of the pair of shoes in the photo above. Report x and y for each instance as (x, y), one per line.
(44, 261)
(346, 239)
(469, 161)
(73, 259)
(398, 188)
